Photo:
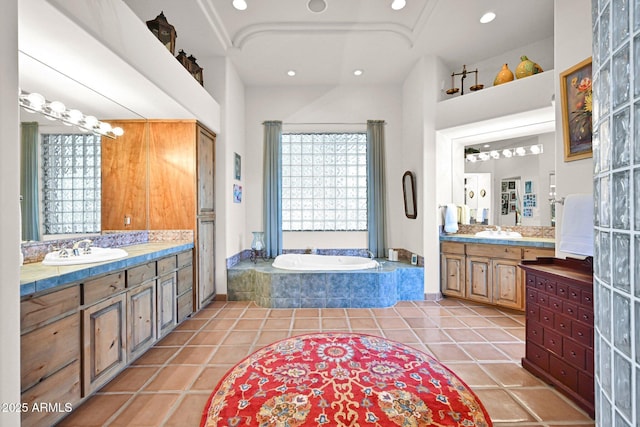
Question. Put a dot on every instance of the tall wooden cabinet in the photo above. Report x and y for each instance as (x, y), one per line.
(173, 189)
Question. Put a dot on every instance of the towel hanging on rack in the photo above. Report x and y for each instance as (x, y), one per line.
(451, 218)
(576, 233)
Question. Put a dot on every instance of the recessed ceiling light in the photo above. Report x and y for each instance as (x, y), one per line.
(487, 17)
(291, 73)
(487, 145)
(239, 4)
(357, 72)
(398, 4)
(317, 6)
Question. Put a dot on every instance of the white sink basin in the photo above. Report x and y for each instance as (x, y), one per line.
(493, 234)
(96, 255)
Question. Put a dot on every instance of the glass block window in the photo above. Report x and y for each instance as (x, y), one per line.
(71, 183)
(324, 182)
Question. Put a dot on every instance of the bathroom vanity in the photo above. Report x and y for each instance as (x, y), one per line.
(81, 325)
(487, 270)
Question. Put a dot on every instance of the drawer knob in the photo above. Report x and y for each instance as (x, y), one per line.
(563, 372)
(573, 353)
(580, 334)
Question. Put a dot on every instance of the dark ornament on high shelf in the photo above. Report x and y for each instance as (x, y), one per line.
(164, 31)
(190, 64)
(464, 73)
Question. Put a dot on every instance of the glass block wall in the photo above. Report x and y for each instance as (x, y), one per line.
(616, 160)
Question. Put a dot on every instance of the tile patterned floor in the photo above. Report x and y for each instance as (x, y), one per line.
(170, 384)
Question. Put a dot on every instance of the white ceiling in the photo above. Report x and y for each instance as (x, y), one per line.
(273, 36)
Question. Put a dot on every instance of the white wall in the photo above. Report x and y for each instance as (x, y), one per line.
(317, 105)
(572, 29)
(9, 217)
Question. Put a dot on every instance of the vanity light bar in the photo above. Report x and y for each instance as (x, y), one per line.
(56, 110)
(505, 154)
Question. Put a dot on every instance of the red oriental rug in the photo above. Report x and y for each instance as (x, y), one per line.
(342, 379)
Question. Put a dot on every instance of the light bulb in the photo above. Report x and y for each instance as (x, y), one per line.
(507, 153)
(291, 73)
(487, 17)
(535, 149)
(36, 101)
(520, 151)
(472, 158)
(484, 156)
(357, 72)
(117, 131)
(240, 4)
(104, 127)
(90, 122)
(57, 107)
(398, 4)
(74, 116)
(495, 154)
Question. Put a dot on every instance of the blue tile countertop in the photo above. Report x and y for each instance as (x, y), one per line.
(36, 277)
(535, 242)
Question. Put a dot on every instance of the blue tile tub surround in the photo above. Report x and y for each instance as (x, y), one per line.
(534, 242)
(37, 277)
(276, 288)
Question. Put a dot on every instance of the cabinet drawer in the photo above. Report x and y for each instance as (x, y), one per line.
(553, 341)
(62, 387)
(535, 253)
(574, 354)
(555, 304)
(562, 324)
(543, 299)
(538, 356)
(452, 247)
(575, 295)
(546, 317)
(570, 309)
(532, 296)
(585, 315)
(166, 265)
(562, 290)
(185, 280)
(533, 312)
(582, 333)
(535, 333)
(46, 350)
(140, 274)
(495, 251)
(531, 280)
(102, 287)
(565, 373)
(185, 258)
(38, 310)
(586, 386)
(587, 298)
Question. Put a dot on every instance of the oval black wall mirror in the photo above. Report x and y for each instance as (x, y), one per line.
(409, 190)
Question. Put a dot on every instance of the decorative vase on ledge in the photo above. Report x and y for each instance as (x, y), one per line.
(505, 75)
(527, 68)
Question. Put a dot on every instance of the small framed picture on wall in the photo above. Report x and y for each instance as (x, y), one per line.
(237, 166)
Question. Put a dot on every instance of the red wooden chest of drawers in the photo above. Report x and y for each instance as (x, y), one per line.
(559, 326)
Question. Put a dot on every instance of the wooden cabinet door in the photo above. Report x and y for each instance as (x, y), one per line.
(206, 172)
(166, 303)
(507, 286)
(206, 263)
(479, 283)
(141, 319)
(104, 342)
(453, 275)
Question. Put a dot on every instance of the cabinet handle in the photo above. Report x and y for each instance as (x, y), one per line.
(580, 334)
(563, 372)
(552, 341)
(573, 354)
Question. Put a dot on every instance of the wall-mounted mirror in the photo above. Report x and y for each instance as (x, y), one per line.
(65, 160)
(409, 191)
(516, 183)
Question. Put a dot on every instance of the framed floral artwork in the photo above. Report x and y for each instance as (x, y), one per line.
(577, 103)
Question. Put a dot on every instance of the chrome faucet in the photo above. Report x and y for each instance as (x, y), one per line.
(85, 245)
(498, 228)
(371, 255)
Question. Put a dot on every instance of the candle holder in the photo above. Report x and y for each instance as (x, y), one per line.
(257, 247)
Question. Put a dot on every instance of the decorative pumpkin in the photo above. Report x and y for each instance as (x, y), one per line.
(505, 75)
(527, 68)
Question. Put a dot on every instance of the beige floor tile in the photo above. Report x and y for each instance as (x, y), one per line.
(229, 354)
(506, 322)
(230, 313)
(420, 322)
(449, 322)
(432, 336)
(209, 377)
(363, 323)
(156, 356)
(409, 311)
(192, 325)
(514, 350)
(548, 405)
(333, 312)
(511, 375)
(484, 352)
(147, 410)
(335, 324)
(464, 335)
(219, 324)
(495, 335)
(306, 324)
(384, 312)
(392, 323)
(475, 321)
(174, 378)
(270, 324)
(268, 337)
(436, 312)
(255, 312)
(96, 410)
(308, 312)
(193, 355)
(189, 411)
(130, 380)
(240, 338)
(248, 325)
(448, 352)
(208, 337)
(279, 313)
(175, 338)
(472, 374)
(402, 335)
(502, 407)
(205, 313)
(359, 312)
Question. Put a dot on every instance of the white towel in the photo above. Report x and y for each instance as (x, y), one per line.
(465, 214)
(576, 234)
(451, 218)
(480, 216)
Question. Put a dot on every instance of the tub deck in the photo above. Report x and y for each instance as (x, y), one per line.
(372, 288)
